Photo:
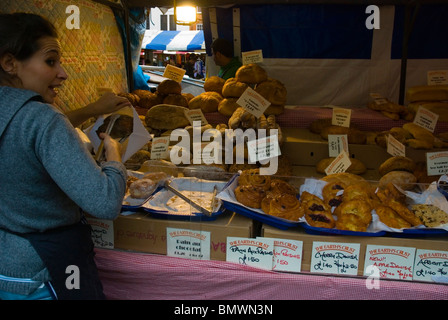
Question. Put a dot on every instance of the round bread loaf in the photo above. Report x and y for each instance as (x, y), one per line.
(206, 101)
(272, 90)
(169, 86)
(214, 83)
(228, 106)
(402, 179)
(251, 73)
(150, 100)
(176, 99)
(233, 88)
(166, 117)
(397, 163)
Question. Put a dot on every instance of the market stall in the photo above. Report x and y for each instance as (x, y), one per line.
(345, 205)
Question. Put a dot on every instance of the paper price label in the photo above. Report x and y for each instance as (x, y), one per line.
(251, 252)
(426, 119)
(253, 102)
(340, 164)
(341, 117)
(335, 258)
(196, 115)
(159, 148)
(389, 262)
(263, 149)
(437, 163)
(395, 147)
(255, 56)
(429, 265)
(102, 232)
(174, 73)
(186, 243)
(437, 77)
(336, 144)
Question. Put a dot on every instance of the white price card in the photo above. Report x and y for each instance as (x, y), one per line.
(426, 119)
(159, 148)
(335, 258)
(341, 117)
(437, 77)
(263, 148)
(174, 73)
(395, 147)
(336, 144)
(437, 163)
(253, 102)
(102, 232)
(431, 265)
(188, 244)
(340, 164)
(389, 262)
(254, 56)
(287, 255)
(196, 115)
(251, 252)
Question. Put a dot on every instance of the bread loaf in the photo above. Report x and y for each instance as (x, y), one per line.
(251, 73)
(427, 93)
(166, 117)
(214, 83)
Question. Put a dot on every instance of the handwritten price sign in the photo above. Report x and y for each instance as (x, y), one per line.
(252, 252)
(430, 264)
(335, 258)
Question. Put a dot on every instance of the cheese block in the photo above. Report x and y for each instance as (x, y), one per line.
(427, 93)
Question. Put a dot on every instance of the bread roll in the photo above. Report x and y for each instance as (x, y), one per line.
(206, 101)
(169, 86)
(159, 166)
(233, 88)
(176, 99)
(427, 93)
(251, 73)
(397, 163)
(357, 167)
(272, 90)
(228, 106)
(150, 100)
(214, 83)
(166, 117)
(402, 179)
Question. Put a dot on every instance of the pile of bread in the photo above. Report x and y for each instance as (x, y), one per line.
(347, 202)
(433, 98)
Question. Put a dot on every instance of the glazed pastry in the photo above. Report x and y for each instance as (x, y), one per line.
(359, 208)
(252, 177)
(404, 212)
(390, 218)
(317, 213)
(250, 196)
(332, 193)
(285, 206)
(351, 222)
(142, 188)
(281, 187)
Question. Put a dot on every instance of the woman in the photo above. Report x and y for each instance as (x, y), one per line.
(48, 179)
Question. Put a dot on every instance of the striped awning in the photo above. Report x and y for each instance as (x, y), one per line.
(174, 40)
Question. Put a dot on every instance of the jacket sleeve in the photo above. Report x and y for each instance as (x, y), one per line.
(99, 191)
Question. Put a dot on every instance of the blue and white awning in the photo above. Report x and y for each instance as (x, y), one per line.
(174, 40)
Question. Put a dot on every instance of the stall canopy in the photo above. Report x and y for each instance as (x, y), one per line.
(174, 40)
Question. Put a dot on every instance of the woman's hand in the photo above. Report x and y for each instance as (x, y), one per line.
(112, 148)
(109, 102)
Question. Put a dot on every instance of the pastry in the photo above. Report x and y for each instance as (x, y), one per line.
(351, 222)
(281, 187)
(356, 207)
(157, 177)
(285, 206)
(402, 210)
(227, 106)
(390, 218)
(402, 179)
(233, 88)
(142, 188)
(169, 86)
(344, 177)
(397, 163)
(423, 139)
(159, 166)
(214, 83)
(252, 177)
(251, 73)
(272, 90)
(316, 212)
(332, 193)
(249, 195)
(430, 215)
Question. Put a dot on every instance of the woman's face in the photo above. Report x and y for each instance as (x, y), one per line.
(42, 72)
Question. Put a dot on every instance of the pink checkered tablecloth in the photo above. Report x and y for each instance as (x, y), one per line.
(302, 116)
(139, 276)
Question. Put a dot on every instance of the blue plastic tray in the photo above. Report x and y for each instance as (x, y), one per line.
(326, 231)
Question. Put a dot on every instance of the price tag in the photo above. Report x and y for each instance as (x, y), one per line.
(186, 243)
(255, 56)
(430, 265)
(263, 148)
(437, 77)
(426, 119)
(252, 252)
(287, 255)
(336, 144)
(378, 99)
(207, 152)
(341, 117)
(174, 73)
(196, 115)
(253, 102)
(335, 258)
(390, 262)
(102, 232)
(437, 163)
(159, 148)
(395, 147)
(340, 164)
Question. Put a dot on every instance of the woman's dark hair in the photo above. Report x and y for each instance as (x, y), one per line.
(223, 46)
(20, 34)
